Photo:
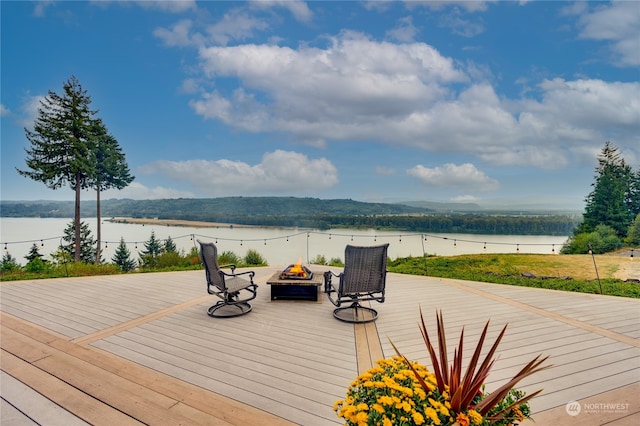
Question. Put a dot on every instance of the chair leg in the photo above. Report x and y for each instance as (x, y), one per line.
(227, 310)
(355, 313)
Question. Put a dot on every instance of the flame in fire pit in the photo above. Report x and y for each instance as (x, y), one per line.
(296, 271)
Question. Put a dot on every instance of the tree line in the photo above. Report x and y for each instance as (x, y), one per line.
(611, 216)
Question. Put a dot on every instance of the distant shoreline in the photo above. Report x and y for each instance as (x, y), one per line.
(182, 223)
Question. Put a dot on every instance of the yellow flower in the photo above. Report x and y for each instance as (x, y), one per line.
(433, 415)
(385, 400)
(475, 417)
(386, 422)
(417, 418)
(362, 417)
(379, 408)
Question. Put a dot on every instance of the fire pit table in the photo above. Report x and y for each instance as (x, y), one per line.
(286, 287)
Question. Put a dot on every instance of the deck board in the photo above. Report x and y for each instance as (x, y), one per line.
(288, 361)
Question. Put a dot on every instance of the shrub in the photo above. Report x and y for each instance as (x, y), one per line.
(36, 265)
(319, 260)
(602, 240)
(228, 258)
(254, 258)
(336, 261)
(9, 263)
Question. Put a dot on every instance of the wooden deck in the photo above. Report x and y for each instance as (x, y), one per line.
(140, 349)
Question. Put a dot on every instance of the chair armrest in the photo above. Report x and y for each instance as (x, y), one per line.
(328, 285)
(236, 274)
(231, 266)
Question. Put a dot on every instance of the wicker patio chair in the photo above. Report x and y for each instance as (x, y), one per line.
(234, 290)
(363, 279)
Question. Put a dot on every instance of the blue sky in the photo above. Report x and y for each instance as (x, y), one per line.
(497, 103)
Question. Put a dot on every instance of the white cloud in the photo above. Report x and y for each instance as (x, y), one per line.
(178, 35)
(617, 22)
(4, 110)
(464, 177)
(29, 110)
(298, 9)
(138, 191)
(237, 24)
(405, 31)
(280, 172)
(465, 199)
(358, 89)
(171, 6)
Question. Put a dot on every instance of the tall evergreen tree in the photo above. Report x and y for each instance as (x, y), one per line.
(170, 246)
(609, 203)
(122, 257)
(111, 170)
(87, 243)
(34, 253)
(61, 138)
(152, 249)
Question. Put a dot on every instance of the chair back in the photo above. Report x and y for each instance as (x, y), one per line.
(209, 254)
(365, 269)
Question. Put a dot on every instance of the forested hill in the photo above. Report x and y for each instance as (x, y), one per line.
(207, 209)
(304, 212)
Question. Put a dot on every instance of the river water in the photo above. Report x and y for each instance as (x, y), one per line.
(279, 246)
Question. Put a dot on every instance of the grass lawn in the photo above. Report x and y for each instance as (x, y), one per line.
(561, 272)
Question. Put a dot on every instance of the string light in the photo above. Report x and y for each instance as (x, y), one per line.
(424, 238)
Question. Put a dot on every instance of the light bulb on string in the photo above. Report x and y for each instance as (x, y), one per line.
(375, 238)
(553, 248)
(329, 236)
(400, 238)
(240, 243)
(265, 242)
(136, 246)
(517, 248)
(485, 247)
(41, 243)
(455, 244)
(106, 245)
(352, 238)
(6, 249)
(631, 250)
(425, 238)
